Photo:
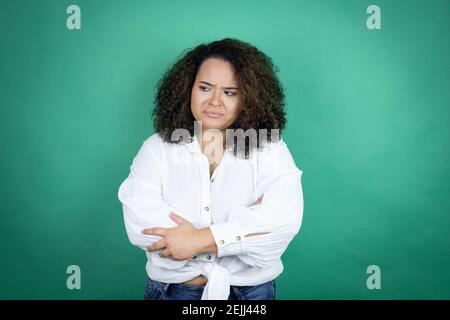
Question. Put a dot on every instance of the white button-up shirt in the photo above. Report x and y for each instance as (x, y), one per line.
(166, 177)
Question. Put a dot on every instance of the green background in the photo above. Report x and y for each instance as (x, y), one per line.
(368, 123)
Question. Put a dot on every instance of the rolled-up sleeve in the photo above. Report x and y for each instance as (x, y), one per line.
(141, 196)
(278, 217)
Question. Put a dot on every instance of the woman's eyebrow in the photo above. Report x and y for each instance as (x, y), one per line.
(209, 84)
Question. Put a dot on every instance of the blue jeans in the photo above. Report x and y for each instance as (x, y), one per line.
(156, 290)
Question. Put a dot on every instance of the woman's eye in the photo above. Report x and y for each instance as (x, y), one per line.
(230, 93)
(227, 92)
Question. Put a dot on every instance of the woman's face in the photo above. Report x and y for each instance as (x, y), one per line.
(215, 96)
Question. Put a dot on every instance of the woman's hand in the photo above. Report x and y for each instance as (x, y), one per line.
(181, 242)
(185, 241)
(259, 200)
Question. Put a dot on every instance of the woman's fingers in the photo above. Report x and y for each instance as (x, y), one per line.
(158, 245)
(259, 200)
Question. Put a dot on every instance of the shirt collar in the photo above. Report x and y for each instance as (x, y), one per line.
(194, 145)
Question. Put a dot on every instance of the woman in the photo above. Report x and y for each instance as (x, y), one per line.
(214, 196)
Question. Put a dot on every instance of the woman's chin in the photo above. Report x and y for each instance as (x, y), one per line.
(211, 124)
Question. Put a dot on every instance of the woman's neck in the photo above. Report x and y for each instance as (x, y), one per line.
(213, 138)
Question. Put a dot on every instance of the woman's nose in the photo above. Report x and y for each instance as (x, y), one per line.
(216, 99)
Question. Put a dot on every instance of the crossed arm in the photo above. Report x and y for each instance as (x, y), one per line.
(184, 241)
(256, 234)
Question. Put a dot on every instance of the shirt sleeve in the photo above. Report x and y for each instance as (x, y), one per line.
(143, 203)
(279, 215)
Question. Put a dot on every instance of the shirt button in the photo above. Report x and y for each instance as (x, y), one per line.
(212, 180)
(238, 238)
(221, 242)
(208, 257)
(206, 208)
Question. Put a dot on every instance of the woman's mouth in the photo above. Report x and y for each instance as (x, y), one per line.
(212, 114)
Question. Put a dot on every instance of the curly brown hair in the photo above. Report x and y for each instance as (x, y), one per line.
(263, 96)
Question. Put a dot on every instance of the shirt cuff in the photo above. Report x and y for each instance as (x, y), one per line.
(229, 238)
